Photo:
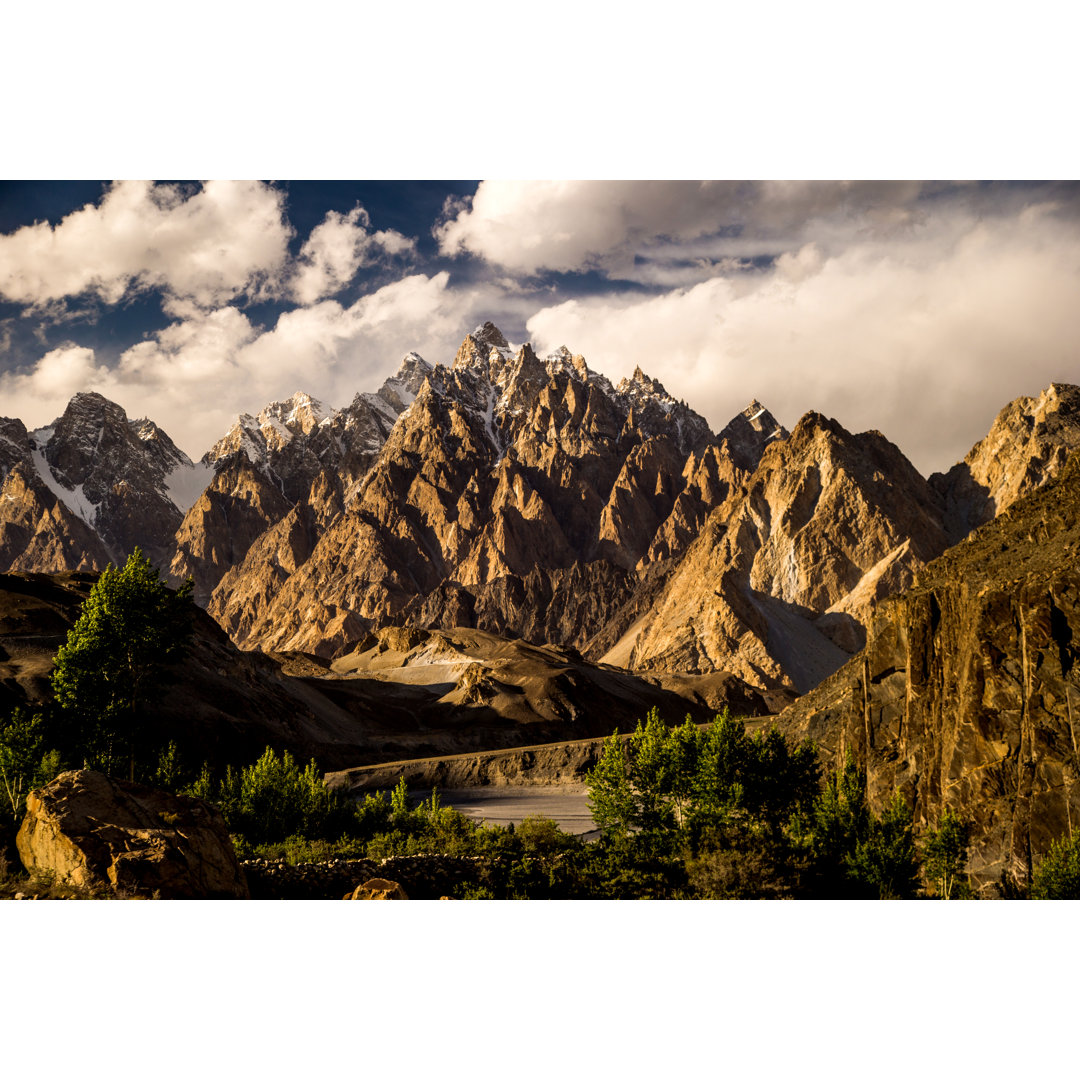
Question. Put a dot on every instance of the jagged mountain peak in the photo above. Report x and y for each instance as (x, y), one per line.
(639, 383)
(487, 351)
(300, 413)
(412, 363)
(1027, 445)
(489, 334)
(563, 360)
(90, 399)
(749, 433)
(400, 390)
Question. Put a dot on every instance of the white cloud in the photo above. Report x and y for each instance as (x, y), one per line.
(196, 374)
(924, 339)
(337, 248)
(58, 375)
(225, 239)
(578, 225)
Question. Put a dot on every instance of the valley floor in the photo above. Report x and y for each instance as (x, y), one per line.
(565, 804)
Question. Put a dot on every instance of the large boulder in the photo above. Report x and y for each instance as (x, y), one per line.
(378, 889)
(90, 830)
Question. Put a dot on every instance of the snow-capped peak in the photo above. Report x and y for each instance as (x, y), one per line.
(400, 391)
(299, 413)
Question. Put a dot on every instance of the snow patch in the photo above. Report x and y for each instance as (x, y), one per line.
(73, 499)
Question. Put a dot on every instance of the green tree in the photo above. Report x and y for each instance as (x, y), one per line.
(886, 860)
(399, 797)
(945, 852)
(111, 668)
(25, 764)
(661, 779)
(1058, 874)
(841, 819)
(611, 797)
(860, 855)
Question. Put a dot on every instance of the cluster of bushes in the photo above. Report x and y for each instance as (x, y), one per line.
(735, 815)
(683, 812)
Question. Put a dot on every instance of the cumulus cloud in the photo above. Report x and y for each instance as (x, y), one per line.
(337, 248)
(204, 247)
(621, 227)
(923, 338)
(196, 374)
(57, 376)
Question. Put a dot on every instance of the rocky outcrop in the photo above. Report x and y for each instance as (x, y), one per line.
(377, 889)
(1027, 445)
(90, 830)
(966, 695)
(825, 518)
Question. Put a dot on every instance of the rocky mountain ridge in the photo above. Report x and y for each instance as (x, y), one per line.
(517, 494)
(529, 497)
(91, 487)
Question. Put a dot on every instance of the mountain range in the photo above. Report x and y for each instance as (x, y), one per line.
(529, 497)
(510, 549)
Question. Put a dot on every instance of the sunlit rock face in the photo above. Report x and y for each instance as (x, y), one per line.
(965, 696)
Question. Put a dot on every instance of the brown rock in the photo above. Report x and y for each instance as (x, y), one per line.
(216, 533)
(39, 533)
(516, 494)
(966, 695)
(90, 830)
(817, 521)
(377, 889)
(1026, 446)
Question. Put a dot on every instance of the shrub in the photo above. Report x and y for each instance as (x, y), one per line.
(858, 855)
(945, 851)
(25, 764)
(1058, 874)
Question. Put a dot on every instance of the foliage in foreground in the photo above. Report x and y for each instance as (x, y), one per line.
(1057, 876)
(684, 813)
(25, 763)
(112, 666)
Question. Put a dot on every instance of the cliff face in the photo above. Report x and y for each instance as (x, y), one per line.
(967, 695)
(781, 577)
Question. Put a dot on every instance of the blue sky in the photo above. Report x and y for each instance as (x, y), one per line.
(916, 308)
